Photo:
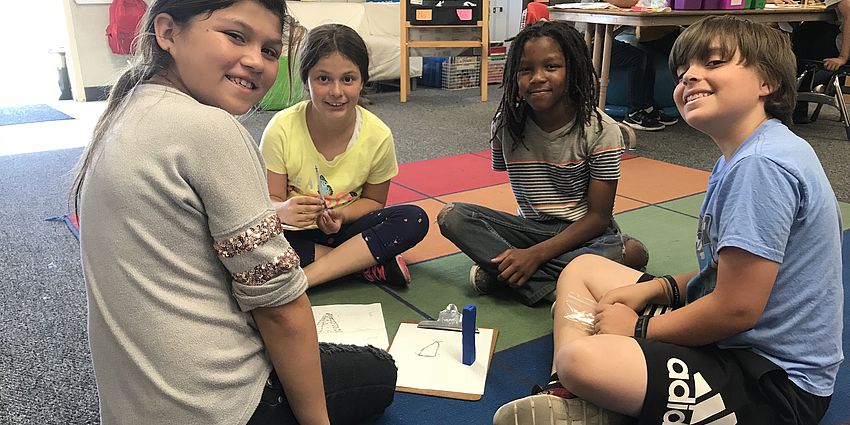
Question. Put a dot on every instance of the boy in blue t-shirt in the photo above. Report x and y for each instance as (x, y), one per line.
(754, 336)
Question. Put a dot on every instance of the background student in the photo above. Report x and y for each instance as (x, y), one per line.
(329, 143)
(197, 311)
(754, 336)
(563, 158)
(821, 41)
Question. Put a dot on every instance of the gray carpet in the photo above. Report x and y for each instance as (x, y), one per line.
(45, 368)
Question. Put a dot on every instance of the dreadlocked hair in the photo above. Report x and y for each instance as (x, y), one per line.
(513, 112)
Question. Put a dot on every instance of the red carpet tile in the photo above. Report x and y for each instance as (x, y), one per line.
(450, 174)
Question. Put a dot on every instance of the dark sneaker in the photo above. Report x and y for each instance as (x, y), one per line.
(481, 281)
(661, 117)
(635, 253)
(554, 387)
(553, 410)
(394, 273)
(640, 120)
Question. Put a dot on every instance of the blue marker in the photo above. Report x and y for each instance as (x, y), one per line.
(468, 332)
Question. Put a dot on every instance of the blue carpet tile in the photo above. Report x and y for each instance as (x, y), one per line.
(30, 113)
(512, 373)
(839, 408)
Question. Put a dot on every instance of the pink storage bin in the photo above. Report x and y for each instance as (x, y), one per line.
(686, 4)
(722, 4)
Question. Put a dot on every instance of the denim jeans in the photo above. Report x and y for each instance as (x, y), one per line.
(388, 232)
(483, 233)
(641, 72)
(359, 385)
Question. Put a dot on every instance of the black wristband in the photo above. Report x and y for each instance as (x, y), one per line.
(641, 326)
(675, 300)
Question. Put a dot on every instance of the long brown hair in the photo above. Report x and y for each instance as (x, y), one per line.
(765, 48)
(149, 60)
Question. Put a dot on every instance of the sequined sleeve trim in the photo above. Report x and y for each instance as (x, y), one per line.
(266, 272)
(250, 239)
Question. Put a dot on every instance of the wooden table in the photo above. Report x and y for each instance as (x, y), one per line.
(603, 21)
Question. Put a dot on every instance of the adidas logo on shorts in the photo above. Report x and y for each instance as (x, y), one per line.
(683, 407)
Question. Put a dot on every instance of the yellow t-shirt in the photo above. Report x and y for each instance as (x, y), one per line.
(369, 158)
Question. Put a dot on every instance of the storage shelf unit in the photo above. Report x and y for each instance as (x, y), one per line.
(436, 20)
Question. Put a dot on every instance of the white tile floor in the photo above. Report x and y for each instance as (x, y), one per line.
(52, 135)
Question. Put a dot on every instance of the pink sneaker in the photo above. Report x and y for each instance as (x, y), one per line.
(394, 273)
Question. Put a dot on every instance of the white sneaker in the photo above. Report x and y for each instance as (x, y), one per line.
(547, 409)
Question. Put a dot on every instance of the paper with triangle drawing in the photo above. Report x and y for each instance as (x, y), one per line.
(357, 324)
(430, 359)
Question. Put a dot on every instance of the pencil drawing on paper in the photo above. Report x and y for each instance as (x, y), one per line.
(327, 325)
(430, 350)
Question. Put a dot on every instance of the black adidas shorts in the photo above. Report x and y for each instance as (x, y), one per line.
(710, 385)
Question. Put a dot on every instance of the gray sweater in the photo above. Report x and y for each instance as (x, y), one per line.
(179, 242)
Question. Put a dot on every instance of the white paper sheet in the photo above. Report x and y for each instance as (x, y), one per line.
(430, 359)
(357, 324)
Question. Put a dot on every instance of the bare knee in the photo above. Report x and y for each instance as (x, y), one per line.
(573, 362)
(579, 270)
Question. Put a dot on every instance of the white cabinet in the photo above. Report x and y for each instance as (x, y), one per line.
(504, 19)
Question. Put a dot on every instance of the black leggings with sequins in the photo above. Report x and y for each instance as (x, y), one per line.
(387, 232)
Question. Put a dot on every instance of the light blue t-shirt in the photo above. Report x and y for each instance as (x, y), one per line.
(772, 199)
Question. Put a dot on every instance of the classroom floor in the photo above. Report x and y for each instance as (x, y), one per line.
(656, 202)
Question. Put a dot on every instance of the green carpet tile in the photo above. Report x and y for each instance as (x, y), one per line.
(357, 291)
(668, 230)
(690, 205)
(845, 214)
(437, 283)
(669, 236)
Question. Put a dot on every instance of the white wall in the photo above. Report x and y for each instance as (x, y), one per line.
(90, 62)
(28, 31)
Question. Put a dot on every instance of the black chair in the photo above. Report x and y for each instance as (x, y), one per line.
(831, 93)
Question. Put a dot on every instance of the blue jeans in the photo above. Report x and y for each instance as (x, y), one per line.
(641, 72)
(483, 233)
(359, 385)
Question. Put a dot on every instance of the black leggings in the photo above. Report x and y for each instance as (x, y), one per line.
(387, 232)
(359, 385)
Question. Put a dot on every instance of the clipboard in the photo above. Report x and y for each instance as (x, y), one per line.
(447, 393)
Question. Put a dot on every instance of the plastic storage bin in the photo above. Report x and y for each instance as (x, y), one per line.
(432, 71)
(722, 4)
(686, 4)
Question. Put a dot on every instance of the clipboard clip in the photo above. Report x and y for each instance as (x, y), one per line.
(449, 319)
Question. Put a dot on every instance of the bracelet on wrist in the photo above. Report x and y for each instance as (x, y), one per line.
(673, 286)
(641, 326)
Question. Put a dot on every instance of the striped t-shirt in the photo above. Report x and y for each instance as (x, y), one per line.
(550, 174)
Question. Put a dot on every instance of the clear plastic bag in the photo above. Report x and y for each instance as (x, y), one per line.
(656, 5)
(581, 312)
